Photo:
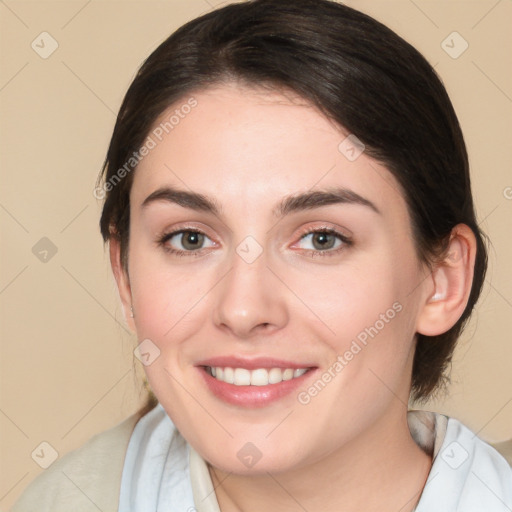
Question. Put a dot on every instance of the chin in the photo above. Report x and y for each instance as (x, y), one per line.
(247, 458)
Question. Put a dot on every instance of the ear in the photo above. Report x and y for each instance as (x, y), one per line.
(452, 278)
(122, 280)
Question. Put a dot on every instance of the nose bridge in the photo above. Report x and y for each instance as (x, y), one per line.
(249, 296)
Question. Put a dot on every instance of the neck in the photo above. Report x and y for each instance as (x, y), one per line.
(382, 469)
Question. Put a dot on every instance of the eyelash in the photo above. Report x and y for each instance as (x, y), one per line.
(346, 242)
(178, 252)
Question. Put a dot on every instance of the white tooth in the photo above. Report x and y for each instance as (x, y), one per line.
(288, 374)
(229, 375)
(242, 377)
(275, 376)
(259, 377)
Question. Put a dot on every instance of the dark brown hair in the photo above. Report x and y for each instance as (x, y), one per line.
(358, 73)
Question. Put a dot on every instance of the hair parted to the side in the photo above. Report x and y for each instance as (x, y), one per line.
(355, 71)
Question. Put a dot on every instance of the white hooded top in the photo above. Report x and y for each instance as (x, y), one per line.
(162, 472)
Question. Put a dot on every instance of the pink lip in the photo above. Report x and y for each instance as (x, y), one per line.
(252, 396)
(252, 363)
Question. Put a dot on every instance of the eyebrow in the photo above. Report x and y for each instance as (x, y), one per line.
(298, 202)
(317, 198)
(191, 200)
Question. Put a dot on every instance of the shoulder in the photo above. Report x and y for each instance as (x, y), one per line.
(467, 474)
(476, 451)
(86, 479)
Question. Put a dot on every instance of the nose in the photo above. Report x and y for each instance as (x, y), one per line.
(250, 299)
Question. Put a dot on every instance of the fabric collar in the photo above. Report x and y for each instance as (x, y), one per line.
(428, 430)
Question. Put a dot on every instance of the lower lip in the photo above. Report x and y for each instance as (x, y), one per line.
(253, 396)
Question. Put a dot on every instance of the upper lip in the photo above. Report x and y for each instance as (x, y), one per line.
(252, 363)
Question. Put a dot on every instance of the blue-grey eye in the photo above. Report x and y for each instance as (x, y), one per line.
(189, 240)
(322, 241)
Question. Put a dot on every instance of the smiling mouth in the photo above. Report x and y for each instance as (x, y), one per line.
(257, 377)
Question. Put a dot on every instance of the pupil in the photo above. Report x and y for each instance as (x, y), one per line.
(191, 240)
(322, 240)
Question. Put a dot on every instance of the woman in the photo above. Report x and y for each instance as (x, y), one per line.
(291, 228)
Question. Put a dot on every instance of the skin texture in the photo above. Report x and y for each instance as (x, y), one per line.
(248, 149)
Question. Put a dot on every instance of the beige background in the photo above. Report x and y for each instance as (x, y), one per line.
(67, 368)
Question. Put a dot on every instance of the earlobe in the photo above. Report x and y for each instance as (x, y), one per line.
(452, 279)
(122, 281)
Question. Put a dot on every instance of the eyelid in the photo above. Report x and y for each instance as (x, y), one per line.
(175, 229)
(325, 226)
(166, 234)
(171, 234)
(340, 233)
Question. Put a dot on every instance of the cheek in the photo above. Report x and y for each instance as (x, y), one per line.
(364, 314)
(350, 298)
(165, 296)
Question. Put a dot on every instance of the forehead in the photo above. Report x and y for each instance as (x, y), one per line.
(251, 146)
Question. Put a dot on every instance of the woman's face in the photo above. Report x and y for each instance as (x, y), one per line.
(261, 242)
